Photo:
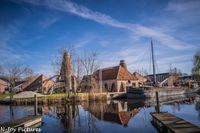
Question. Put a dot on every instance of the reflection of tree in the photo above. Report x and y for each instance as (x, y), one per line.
(92, 128)
(74, 121)
(69, 116)
(197, 107)
(11, 112)
(66, 113)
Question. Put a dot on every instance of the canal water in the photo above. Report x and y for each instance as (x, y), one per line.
(102, 117)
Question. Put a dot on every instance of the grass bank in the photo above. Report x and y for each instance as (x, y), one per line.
(55, 98)
(3, 96)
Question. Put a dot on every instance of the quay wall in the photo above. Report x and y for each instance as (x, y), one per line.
(162, 92)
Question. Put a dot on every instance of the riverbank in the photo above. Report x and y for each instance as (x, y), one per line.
(22, 99)
(54, 98)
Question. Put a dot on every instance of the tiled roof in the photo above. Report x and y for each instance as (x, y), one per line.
(116, 73)
(2, 82)
(109, 73)
(124, 74)
(112, 117)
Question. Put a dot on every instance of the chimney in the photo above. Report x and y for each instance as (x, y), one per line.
(123, 64)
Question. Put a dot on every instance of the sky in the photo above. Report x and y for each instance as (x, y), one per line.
(33, 31)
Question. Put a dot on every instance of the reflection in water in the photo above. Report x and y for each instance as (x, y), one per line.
(197, 106)
(112, 111)
(96, 117)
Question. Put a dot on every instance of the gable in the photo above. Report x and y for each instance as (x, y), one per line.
(124, 74)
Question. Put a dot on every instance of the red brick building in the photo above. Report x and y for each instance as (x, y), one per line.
(117, 78)
(3, 86)
(40, 84)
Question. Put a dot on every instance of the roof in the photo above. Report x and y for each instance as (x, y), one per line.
(37, 82)
(112, 117)
(124, 74)
(109, 73)
(116, 73)
(4, 83)
(121, 118)
(4, 79)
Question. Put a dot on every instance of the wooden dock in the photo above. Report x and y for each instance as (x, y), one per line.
(168, 123)
(28, 121)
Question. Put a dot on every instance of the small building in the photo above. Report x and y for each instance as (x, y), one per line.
(4, 85)
(40, 84)
(141, 79)
(117, 78)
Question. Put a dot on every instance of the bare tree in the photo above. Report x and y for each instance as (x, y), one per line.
(13, 73)
(78, 69)
(89, 62)
(84, 65)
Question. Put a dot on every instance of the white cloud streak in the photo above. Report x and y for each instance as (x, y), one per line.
(137, 29)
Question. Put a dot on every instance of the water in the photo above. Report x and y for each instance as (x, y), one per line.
(97, 117)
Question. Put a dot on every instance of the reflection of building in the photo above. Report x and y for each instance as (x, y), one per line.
(115, 112)
(117, 79)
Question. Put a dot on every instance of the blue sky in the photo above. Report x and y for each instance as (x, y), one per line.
(32, 31)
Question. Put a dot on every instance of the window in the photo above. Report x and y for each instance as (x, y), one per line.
(106, 86)
(122, 87)
(113, 87)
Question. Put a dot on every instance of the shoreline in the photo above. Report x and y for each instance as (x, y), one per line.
(82, 97)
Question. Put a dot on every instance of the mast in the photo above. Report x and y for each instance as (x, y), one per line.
(153, 63)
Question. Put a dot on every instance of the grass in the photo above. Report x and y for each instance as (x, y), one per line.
(3, 96)
(57, 95)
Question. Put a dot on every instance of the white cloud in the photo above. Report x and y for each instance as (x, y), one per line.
(140, 30)
(133, 54)
(186, 10)
(48, 21)
(187, 6)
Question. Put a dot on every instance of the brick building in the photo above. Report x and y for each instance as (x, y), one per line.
(117, 78)
(3, 86)
(40, 84)
(112, 79)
